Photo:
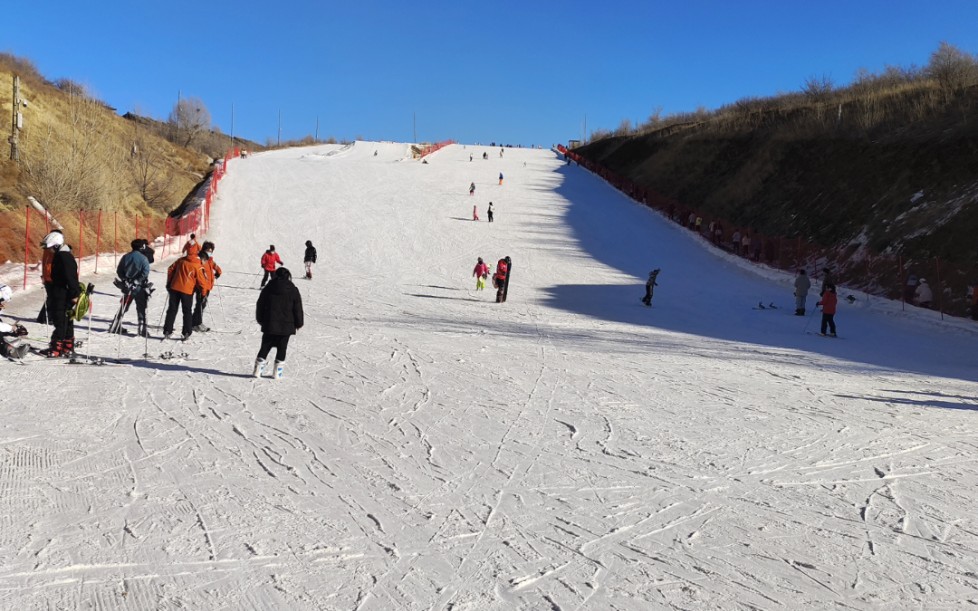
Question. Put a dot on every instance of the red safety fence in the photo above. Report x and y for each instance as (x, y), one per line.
(954, 286)
(192, 217)
(431, 148)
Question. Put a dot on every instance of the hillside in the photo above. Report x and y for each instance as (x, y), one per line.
(77, 155)
(900, 191)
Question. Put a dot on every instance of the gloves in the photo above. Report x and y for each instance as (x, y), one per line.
(217, 275)
(20, 330)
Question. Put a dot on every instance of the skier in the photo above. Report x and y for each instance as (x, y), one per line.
(475, 213)
(485, 155)
(499, 279)
(191, 245)
(47, 257)
(268, 261)
(279, 312)
(923, 294)
(11, 346)
(133, 280)
(470, 156)
(309, 258)
(481, 272)
(472, 189)
(650, 285)
(802, 286)
(500, 178)
(211, 271)
(62, 294)
(183, 278)
(489, 212)
(828, 303)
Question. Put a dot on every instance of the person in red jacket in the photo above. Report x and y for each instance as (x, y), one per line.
(829, 302)
(499, 279)
(192, 247)
(268, 261)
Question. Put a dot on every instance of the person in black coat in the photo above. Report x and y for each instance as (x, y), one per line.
(279, 312)
(310, 258)
(62, 295)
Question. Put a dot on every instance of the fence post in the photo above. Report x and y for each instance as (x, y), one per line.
(27, 242)
(81, 237)
(940, 288)
(98, 238)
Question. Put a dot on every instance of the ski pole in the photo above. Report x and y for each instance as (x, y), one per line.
(91, 307)
(166, 302)
(810, 317)
(220, 300)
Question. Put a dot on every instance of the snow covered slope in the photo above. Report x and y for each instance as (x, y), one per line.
(431, 449)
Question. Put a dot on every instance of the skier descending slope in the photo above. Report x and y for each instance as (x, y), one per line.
(650, 285)
(279, 312)
(309, 258)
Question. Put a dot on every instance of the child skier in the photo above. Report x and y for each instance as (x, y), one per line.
(499, 280)
(500, 178)
(11, 346)
(279, 312)
(268, 262)
(472, 189)
(309, 259)
(475, 213)
(650, 285)
(481, 272)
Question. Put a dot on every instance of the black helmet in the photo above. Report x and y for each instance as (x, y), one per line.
(308, 242)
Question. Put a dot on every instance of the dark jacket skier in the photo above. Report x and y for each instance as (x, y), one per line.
(309, 258)
(279, 312)
(650, 285)
(133, 272)
(62, 294)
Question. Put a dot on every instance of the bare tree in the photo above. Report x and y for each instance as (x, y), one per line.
(188, 119)
(952, 68)
(818, 88)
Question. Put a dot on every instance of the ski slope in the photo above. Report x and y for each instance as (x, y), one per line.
(431, 449)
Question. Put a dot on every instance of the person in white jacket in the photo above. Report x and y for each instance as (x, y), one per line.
(11, 346)
(802, 286)
(923, 294)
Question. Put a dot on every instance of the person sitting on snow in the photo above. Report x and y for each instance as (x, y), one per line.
(11, 346)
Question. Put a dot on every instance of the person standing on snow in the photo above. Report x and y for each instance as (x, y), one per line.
(499, 279)
(211, 271)
(472, 189)
(924, 295)
(279, 312)
(481, 272)
(192, 246)
(475, 212)
(11, 346)
(309, 258)
(500, 178)
(268, 262)
(802, 286)
(650, 285)
(829, 302)
(133, 272)
(184, 278)
(489, 212)
(62, 294)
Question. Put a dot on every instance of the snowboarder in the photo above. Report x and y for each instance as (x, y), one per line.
(500, 178)
(268, 262)
(11, 346)
(489, 212)
(211, 271)
(829, 302)
(191, 245)
(279, 312)
(62, 295)
(481, 272)
(500, 279)
(475, 213)
(133, 280)
(183, 278)
(923, 294)
(802, 286)
(472, 189)
(309, 258)
(650, 285)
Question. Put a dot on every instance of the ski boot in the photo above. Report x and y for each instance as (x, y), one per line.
(279, 370)
(55, 350)
(259, 368)
(143, 329)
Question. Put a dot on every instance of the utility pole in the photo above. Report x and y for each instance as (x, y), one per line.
(16, 122)
(279, 127)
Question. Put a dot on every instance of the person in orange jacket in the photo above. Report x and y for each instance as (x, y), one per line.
(192, 246)
(212, 271)
(829, 302)
(183, 278)
(268, 261)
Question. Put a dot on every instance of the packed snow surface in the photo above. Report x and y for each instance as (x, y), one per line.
(431, 449)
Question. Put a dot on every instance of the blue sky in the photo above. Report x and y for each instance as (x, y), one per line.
(525, 72)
